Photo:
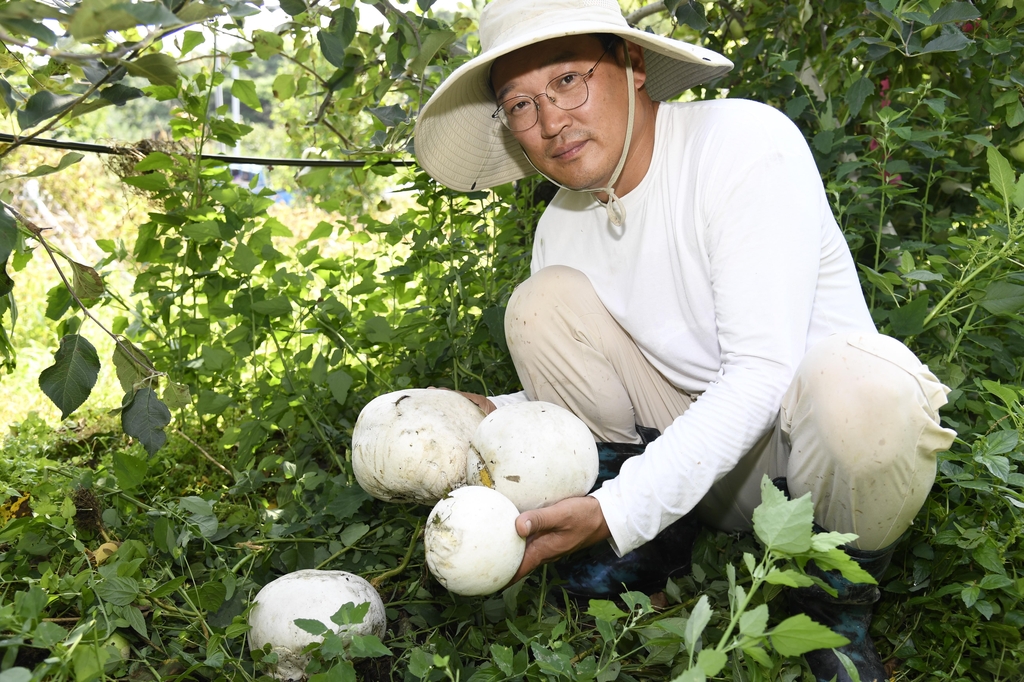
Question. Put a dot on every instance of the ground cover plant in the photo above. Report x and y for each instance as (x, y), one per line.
(132, 539)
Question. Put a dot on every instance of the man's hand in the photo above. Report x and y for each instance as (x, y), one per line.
(560, 529)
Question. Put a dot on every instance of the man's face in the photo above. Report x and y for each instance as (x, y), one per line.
(578, 148)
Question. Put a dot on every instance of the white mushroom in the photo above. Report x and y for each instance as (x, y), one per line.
(535, 453)
(471, 543)
(411, 445)
(315, 595)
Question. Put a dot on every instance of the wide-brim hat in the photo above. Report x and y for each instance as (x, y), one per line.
(459, 144)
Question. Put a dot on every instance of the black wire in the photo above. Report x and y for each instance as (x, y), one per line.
(256, 160)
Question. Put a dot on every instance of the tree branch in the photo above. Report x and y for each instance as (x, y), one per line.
(635, 16)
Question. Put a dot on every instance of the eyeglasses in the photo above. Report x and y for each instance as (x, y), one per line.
(568, 91)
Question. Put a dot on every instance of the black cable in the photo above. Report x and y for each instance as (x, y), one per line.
(256, 160)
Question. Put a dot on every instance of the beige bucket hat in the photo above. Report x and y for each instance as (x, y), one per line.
(459, 144)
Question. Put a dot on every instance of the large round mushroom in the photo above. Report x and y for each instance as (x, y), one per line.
(471, 543)
(411, 445)
(313, 595)
(535, 453)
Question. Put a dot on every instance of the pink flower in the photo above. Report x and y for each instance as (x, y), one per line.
(884, 85)
(968, 27)
(873, 145)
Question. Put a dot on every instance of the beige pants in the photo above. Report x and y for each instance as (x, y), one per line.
(858, 428)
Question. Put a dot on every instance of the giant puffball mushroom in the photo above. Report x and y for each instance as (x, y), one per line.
(411, 445)
(534, 453)
(315, 595)
(471, 543)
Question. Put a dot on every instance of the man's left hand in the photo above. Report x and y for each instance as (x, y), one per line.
(560, 529)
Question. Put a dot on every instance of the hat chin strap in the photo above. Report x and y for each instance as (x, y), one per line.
(614, 206)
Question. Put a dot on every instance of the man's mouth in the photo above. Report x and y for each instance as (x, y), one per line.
(568, 151)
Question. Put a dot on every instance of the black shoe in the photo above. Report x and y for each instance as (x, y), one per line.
(597, 573)
(849, 613)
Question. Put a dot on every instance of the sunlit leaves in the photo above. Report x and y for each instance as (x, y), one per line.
(42, 106)
(783, 525)
(799, 634)
(1001, 175)
(245, 91)
(158, 69)
(70, 379)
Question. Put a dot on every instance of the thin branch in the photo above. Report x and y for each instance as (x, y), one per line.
(56, 119)
(634, 17)
(205, 453)
(8, 39)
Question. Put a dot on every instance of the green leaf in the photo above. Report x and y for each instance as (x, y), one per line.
(136, 620)
(908, 319)
(158, 69)
(244, 260)
(118, 590)
(711, 661)
(154, 161)
(799, 634)
(823, 542)
(1018, 195)
(86, 282)
(857, 94)
(783, 525)
(275, 307)
(789, 578)
(367, 646)
(68, 159)
(293, 7)
(8, 235)
(245, 91)
(69, 380)
(954, 11)
(169, 587)
(266, 44)
(284, 86)
(694, 674)
(190, 41)
(1001, 174)
(350, 613)
(147, 13)
(335, 39)
(753, 622)
(1015, 114)
(838, 560)
(176, 396)
(954, 41)
(339, 382)
(432, 42)
(699, 619)
(130, 470)
(605, 610)
(502, 657)
(151, 182)
(131, 364)
(89, 662)
(42, 106)
(353, 533)
(1003, 298)
(211, 402)
(313, 627)
(145, 418)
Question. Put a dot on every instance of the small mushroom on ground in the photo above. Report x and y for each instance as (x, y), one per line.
(534, 453)
(411, 445)
(313, 595)
(471, 543)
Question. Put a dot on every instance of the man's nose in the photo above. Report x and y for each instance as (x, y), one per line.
(550, 118)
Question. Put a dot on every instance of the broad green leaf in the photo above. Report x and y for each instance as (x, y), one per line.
(130, 470)
(42, 106)
(89, 662)
(145, 419)
(211, 402)
(954, 11)
(293, 7)
(190, 41)
(694, 674)
(788, 578)
(838, 560)
(711, 661)
(861, 89)
(196, 505)
(151, 182)
(266, 44)
(284, 86)
(68, 159)
(1018, 195)
(432, 42)
(953, 41)
(154, 161)
(1004, 440)
(117, 94)
(86, 282)
(339, 382)
(147, 13)
(118, 590)
(350, 613)
(313, 627)
(8, 235)
(176, 396)
(758, 653)
(353, 533)
(245, 91)
(908, 319)
(367, 646)
(168, 587)
(699, 619)
(989, 557)
(603, 609)
(33, 29)
(47, 635)
(753, 622)
(158, 69)
(783, 525)
(1015, 114)
(207, 597)
(799, 634)
(93, 18)
(1001, 174)
(136, 620)
(278, 306)
(1003, 298)
(502, 657)
(69, 380)
(131, 364)
(335, 39)
(823, 542)
(203, 231)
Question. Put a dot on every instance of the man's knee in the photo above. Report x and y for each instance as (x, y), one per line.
(545, 305)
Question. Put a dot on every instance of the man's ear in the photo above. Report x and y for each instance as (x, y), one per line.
(636, 57)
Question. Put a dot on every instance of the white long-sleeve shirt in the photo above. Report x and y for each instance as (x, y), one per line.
(728, 267)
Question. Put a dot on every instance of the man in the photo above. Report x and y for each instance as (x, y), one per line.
(688, 279)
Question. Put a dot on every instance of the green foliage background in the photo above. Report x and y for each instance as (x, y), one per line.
(241, 340)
